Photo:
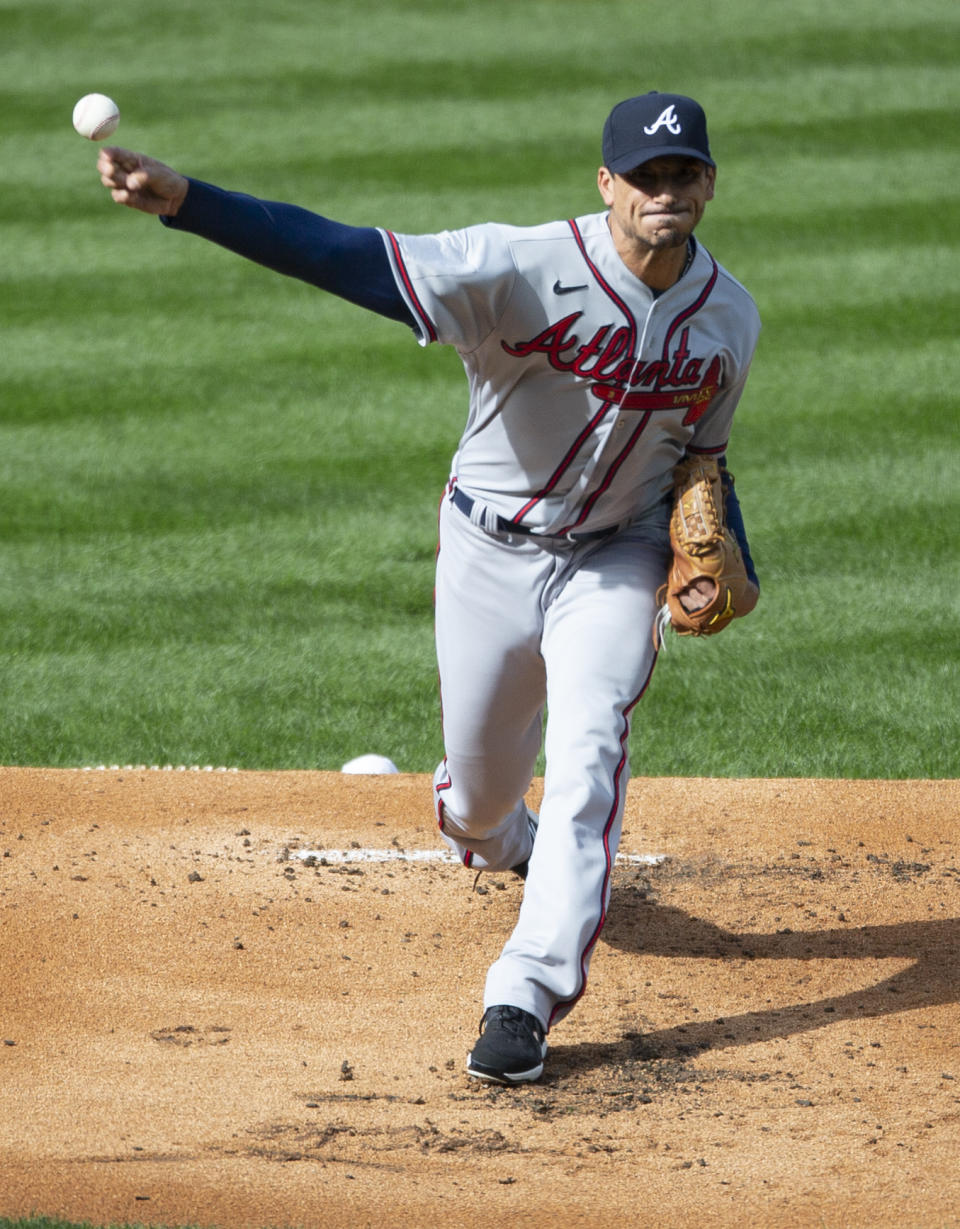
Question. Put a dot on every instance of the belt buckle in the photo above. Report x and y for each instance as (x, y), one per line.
(590, 535)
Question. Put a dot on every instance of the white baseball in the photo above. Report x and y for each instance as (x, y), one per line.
(96, 117)
(371, 764)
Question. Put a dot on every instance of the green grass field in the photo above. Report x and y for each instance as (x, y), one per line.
(48, 1222)
(217, 523)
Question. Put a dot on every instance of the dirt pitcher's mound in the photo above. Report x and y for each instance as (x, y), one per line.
(244, 999)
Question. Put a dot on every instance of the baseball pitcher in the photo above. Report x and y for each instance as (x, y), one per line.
(588, 506)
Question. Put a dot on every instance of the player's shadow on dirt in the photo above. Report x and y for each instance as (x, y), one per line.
(932, 978)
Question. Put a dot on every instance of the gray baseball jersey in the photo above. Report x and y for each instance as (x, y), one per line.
(585, 388)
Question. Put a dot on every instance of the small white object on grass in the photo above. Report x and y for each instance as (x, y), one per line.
(370, 764)
(96, 117)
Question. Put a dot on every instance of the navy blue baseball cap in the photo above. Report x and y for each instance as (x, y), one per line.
(654, 125)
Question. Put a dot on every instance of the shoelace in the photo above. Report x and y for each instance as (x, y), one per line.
(518, 1022)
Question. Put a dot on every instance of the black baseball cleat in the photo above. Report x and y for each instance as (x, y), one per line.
(511, 1047)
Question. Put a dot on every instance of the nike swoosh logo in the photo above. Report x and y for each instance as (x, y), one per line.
(558, 289)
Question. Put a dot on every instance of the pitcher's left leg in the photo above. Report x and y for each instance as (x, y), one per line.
(599, 656)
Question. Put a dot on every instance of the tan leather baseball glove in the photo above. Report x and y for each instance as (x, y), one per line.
(707, 585)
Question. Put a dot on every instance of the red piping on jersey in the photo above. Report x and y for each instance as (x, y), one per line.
(603, 284)
(597, 418)
(649, 398)
(611, 474)
(405, 277)
(690, 311)
(564, 465)
(611, 817)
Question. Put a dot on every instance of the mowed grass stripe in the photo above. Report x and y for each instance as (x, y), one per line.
(220, 487)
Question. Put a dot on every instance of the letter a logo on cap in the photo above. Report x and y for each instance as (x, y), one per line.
(631, 136)
(666, 119)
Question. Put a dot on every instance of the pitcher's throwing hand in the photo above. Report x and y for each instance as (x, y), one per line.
(140, 182)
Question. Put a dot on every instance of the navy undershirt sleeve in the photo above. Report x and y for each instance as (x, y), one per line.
(735, 522)
(348, 261)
